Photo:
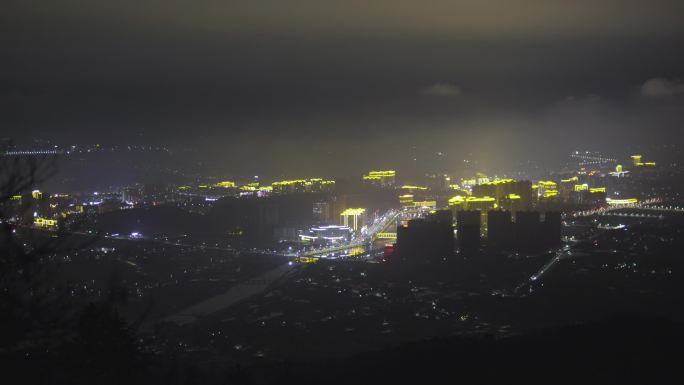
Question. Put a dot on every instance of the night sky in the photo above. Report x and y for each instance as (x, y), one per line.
(319, 84)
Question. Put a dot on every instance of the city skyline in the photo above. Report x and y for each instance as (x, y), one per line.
(231, 192)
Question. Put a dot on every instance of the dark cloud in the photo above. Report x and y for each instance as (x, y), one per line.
(660, 88)
(310, 77)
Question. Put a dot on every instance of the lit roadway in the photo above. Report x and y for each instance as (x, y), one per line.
(563, 253)
(380, 225)
(646, 205)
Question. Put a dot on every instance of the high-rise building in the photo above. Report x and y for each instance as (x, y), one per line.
(533, 235)
(321, 212)
(354, 218)
(551, 229)
(526, 230)
(503, 189)
(499, 230)
(468, 229)
(428, 239)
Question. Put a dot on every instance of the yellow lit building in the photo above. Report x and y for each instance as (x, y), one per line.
(500, 189)
(429, 204)
(484, 203)
(382, 178)
(621, 202)
(411, 188)
(353, 218)
(301, 185)
(637, 162)
(226, 184)
(45, 222)
(546, 189)
(406, 200)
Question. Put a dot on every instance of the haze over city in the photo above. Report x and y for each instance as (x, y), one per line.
(233, 192)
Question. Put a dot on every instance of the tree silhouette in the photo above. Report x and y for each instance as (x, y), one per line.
(45, 338)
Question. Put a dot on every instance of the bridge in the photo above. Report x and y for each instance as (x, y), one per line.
(379, 229)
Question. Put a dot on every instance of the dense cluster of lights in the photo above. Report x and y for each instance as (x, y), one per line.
(458, 199)
(498, 181)
(302, 182)
(45, 222)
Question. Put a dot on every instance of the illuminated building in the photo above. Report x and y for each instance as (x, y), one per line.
(479, 179)
(428, 239)
(428, 204)
(621, 202)
(546, 189)
(327, 235)
(353, 218)
(637, 162)
(468, 229)
(36, 194)
(511, 202)
(301, 185)
(321, 212)
(45, 222)
(412, 188)
(226, 184)
(406, 200)
(566, 187)
(468, 183)
(501, 189)
(381, 178)
(307, 259)
(581, 187)
(593, 196)
(460, 202)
